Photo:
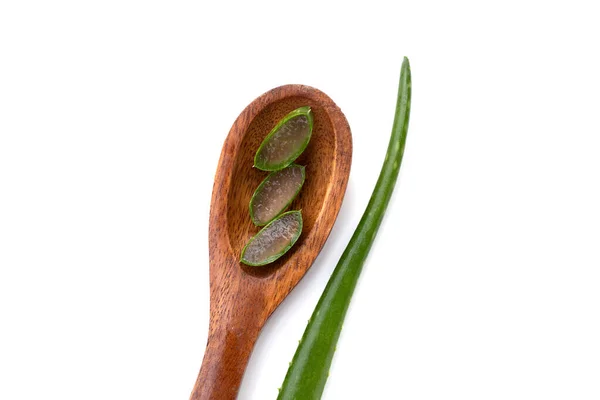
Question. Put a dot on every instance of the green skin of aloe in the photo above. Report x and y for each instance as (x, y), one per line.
(309, 369)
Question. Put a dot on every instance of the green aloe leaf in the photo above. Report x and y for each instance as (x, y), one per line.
(274, 240)
(309, 369)
(286, 141)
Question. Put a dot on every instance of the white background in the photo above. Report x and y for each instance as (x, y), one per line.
(483, 282)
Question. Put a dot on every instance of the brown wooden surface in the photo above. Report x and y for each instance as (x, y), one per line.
(243, 297)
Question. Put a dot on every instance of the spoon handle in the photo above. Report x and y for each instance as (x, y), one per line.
(230, 341)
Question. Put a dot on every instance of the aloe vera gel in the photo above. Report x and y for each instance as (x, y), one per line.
(286, 141)
(276, 193)
(284, 144)
(274, 240)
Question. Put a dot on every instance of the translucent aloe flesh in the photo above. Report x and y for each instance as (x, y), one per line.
(274, 240)
(286, 141)
(275, 194)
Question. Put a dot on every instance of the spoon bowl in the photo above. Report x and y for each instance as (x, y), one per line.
(243, 297)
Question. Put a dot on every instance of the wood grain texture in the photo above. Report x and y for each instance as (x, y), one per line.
(243, 297)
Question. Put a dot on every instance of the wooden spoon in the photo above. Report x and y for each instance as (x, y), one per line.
(243, 297)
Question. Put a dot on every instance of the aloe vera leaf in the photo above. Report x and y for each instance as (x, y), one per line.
(286, 141)
(274, 240)
(309, 369)
(275, 193)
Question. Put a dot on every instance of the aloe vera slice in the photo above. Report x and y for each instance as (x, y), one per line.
(275, 193)
(274, 240)
(286, 141)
